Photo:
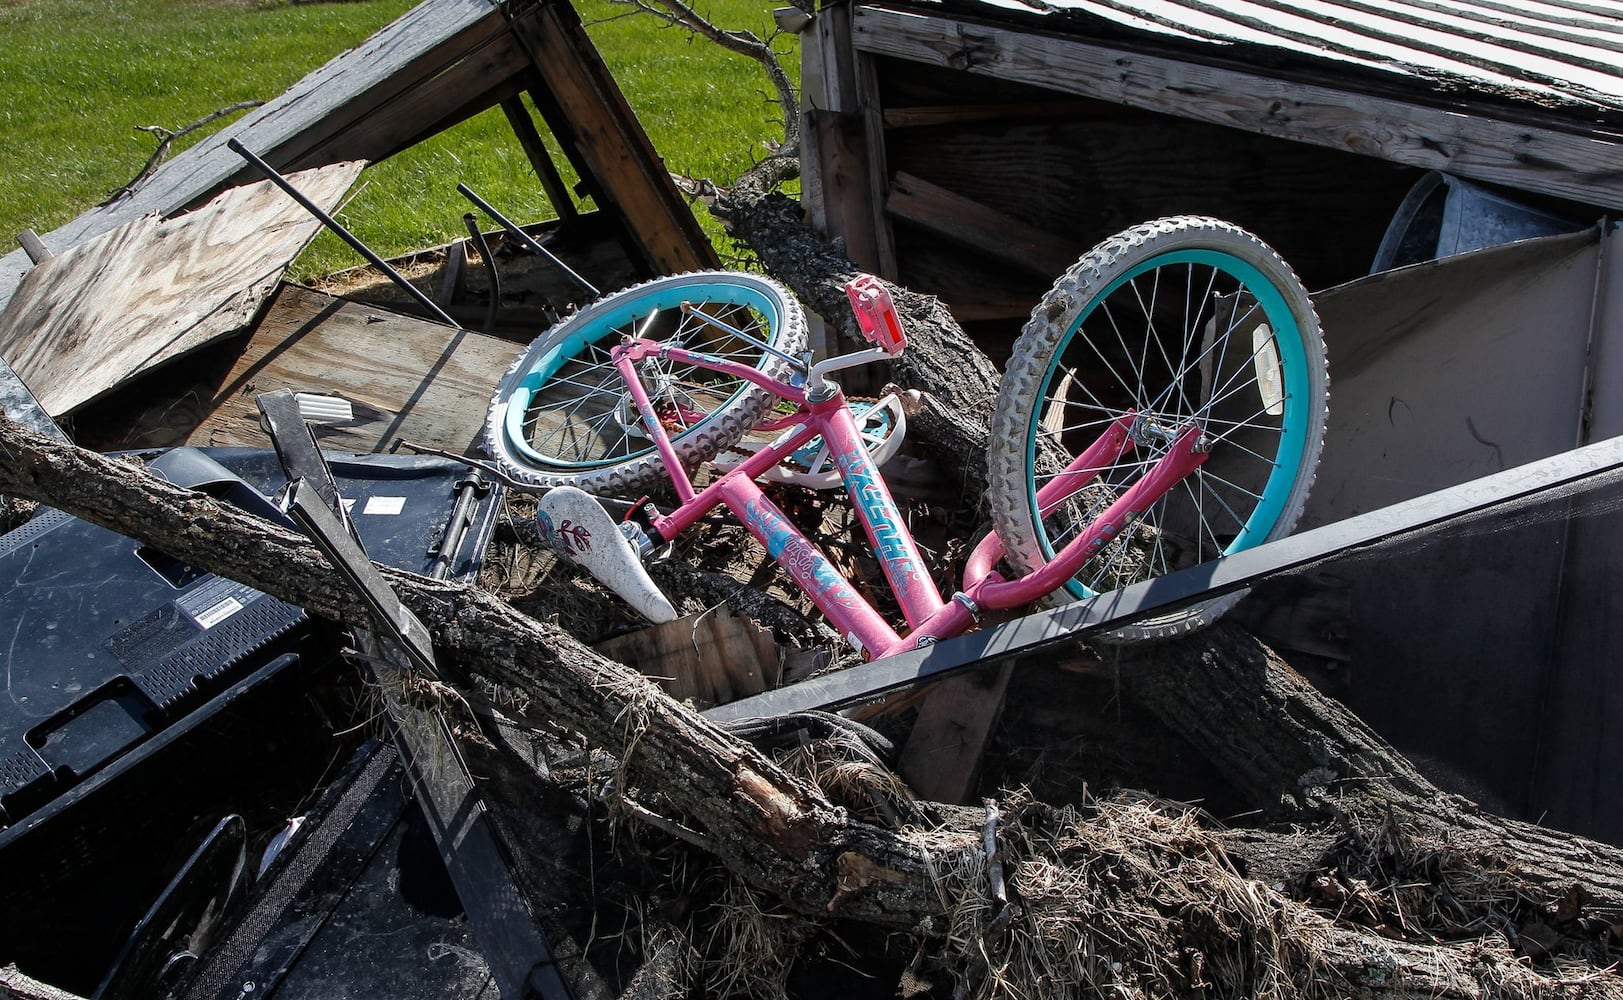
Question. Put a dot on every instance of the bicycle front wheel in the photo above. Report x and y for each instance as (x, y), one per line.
(562, 415)
(1179, 321)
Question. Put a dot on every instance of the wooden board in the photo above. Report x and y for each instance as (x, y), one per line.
(405, 377)
(618, 155)
(712, 658)
(149, 291)
(969, 223)
(942, 758)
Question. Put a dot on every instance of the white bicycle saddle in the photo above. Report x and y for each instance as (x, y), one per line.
(576, 527)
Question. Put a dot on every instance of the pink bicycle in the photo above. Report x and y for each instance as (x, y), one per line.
(1164, 405)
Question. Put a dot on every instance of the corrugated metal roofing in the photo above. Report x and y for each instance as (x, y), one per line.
(1548, 52)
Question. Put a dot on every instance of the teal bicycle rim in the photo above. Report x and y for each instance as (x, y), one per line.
(1294, 425)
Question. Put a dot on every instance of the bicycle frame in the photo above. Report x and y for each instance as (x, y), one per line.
(929, 616)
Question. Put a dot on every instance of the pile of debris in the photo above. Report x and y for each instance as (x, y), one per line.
(375, 733)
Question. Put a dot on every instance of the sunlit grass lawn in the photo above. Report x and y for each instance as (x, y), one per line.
(78, 77)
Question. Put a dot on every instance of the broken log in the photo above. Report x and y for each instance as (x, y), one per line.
(1138, 897)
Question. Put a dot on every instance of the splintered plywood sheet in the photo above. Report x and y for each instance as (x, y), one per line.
(151, 290)
(403, 377)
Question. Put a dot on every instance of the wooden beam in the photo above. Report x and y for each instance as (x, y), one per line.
(619, 157)
(844, 144)
(968, 223)
(845, 198)
(942, 758)
(871, 110)
(711, 658)
(545, 171)
(958, 114)
(30, 242)
(1547, 156)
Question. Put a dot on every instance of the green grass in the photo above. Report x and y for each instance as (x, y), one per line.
(79, 75)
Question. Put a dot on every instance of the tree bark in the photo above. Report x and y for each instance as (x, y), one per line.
(1153, 899)
(776, 832)
(1304, 758)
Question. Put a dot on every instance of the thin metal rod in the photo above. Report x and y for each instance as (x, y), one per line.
(343, 234)
(525, 238)
(478, 239)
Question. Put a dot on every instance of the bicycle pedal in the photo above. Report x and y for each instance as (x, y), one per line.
(575, 526)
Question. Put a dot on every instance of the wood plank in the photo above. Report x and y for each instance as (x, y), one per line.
(405, 377)
(844, 139)
(1544, 155)
(540, 160)
(842, 173)
(430, 43)
(32, 246)
(620, 158)
(958, 114)
(710, 658)
(968, 223)
(870, 107)
(150, 291)
(942, 758)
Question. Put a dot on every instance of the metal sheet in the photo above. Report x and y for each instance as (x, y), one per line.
(1575, 765)
(1545, 53)
(1453, 369)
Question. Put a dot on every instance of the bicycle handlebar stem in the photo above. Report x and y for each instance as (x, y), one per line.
(818, 385)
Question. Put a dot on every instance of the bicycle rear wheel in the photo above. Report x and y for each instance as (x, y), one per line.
(1182, 320)
(562, 416)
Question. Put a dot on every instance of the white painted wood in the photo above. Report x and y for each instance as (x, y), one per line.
(148, 291)
(1549, 157)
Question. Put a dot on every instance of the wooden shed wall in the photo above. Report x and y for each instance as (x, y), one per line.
(967, 148)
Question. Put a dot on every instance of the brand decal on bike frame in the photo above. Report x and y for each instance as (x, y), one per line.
(890, 545)
(803, 562)
(564, 539)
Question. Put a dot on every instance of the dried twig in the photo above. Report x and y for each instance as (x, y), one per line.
(167, 139)
(743, 42)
